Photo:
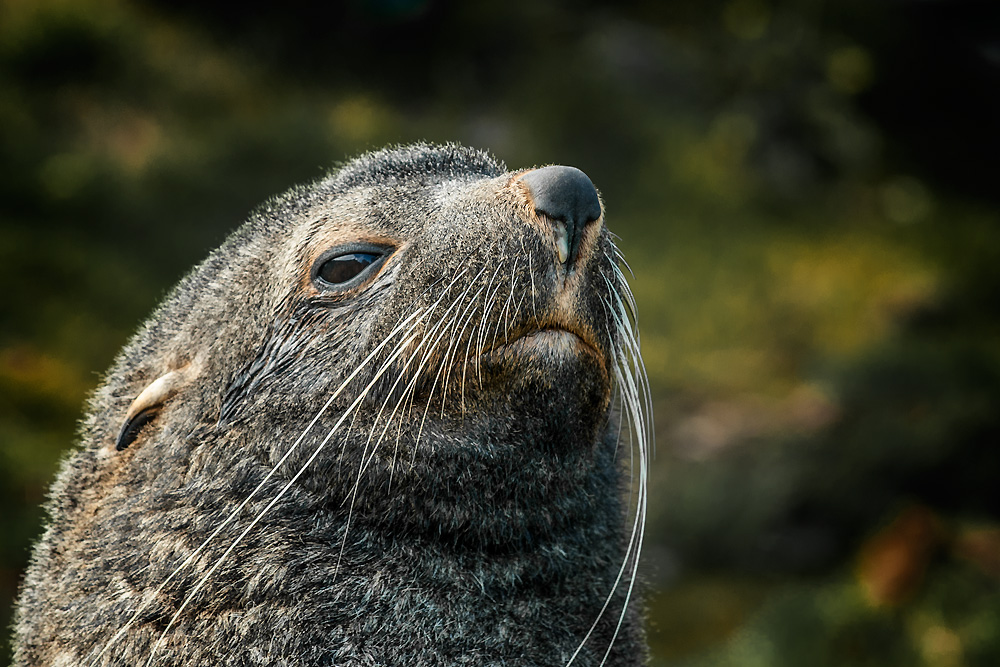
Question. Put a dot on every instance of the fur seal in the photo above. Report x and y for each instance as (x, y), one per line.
(378, 426)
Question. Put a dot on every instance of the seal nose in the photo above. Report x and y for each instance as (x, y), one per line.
(569, 200)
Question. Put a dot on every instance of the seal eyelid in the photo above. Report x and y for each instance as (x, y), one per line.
(348, 266)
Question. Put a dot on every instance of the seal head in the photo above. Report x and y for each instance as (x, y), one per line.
(374, 427)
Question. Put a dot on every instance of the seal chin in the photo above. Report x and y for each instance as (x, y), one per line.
(555, 383)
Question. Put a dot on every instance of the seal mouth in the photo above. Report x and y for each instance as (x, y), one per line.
(545, 343)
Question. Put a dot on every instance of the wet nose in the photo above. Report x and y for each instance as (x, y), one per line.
(569, 200)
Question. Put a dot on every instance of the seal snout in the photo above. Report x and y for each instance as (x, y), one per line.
(568, 199)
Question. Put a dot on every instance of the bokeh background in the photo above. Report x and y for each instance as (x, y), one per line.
(807, 192)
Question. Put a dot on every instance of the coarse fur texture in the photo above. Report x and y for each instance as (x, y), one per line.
(427, 465)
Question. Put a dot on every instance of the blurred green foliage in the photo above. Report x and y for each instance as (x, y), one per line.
(806, 192)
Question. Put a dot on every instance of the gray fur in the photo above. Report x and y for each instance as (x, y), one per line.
(468, 510)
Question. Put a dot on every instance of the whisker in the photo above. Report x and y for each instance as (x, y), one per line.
(633, 387)
(408, 389)
(504, 313)
(449, 356)
(438, 326)
(488, 304)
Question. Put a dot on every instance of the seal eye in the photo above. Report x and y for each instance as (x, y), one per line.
(343, 268)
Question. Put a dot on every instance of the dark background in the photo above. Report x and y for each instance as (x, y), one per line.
(807, 193)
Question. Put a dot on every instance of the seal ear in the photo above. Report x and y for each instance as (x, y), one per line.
(147, 405)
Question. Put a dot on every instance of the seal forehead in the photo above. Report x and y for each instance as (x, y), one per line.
(419, 163)
(369, 213)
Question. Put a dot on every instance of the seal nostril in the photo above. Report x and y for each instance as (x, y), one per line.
(567, 195)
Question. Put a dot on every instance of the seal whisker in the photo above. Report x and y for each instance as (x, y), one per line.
(634, 542)
(628, 322)
(632, 367)
(488, 304)
(430, 395)
(439, 328)
(504, 313)
(510, 297)
(365, 457)
(629, 305)
(446, 363)
(616, 355)
(453, 348)
(352, 496)
(465, 362)
(440, 325)
(639, 523)
(631, 375)
(631, 380)
(449, 355)
(531, 272)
